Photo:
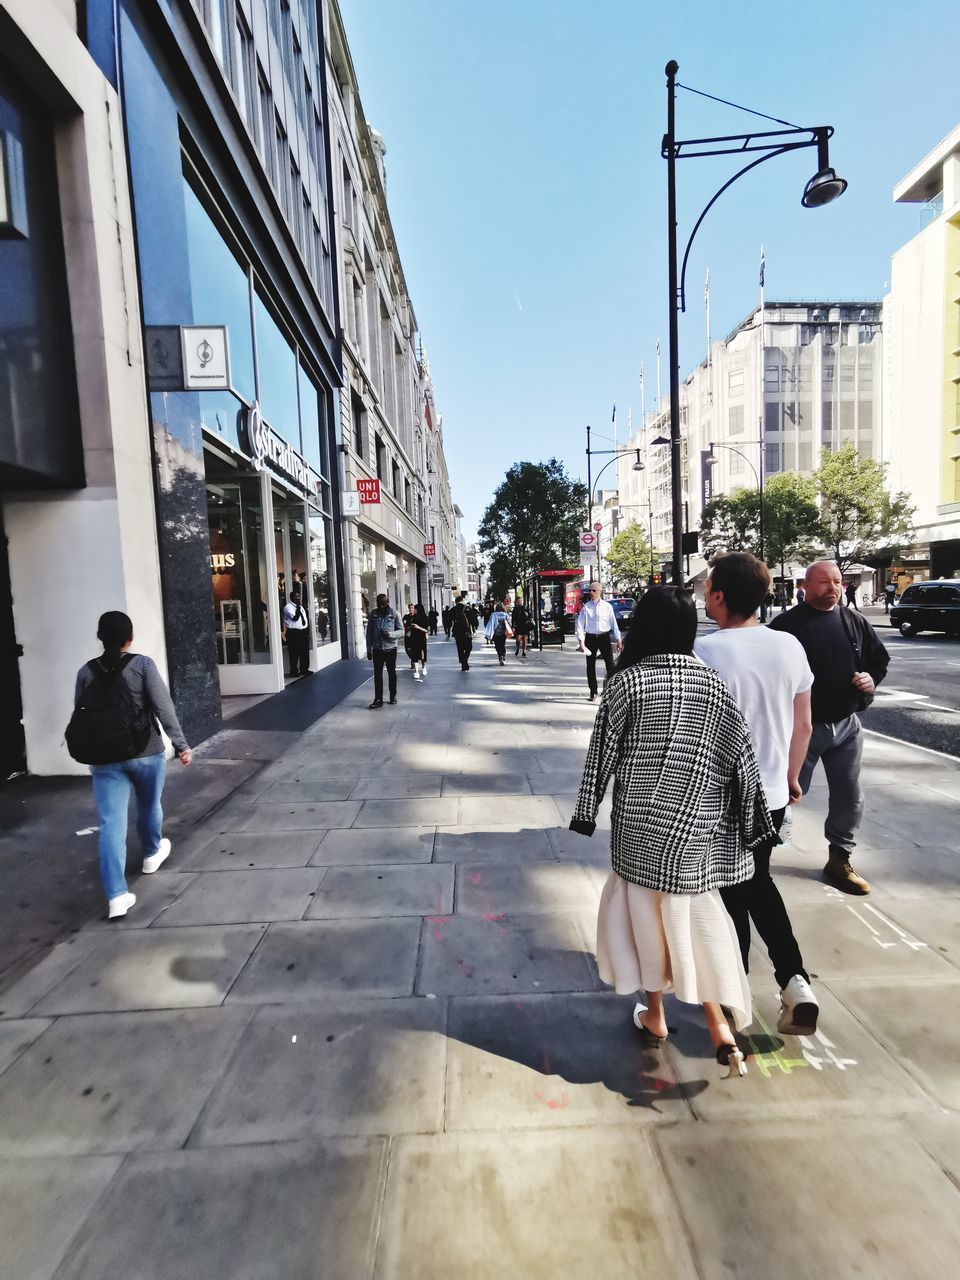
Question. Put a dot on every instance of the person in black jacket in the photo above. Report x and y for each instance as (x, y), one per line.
(848, 661)
(462, 633)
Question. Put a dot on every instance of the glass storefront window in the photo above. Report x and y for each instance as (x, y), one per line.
(237, 564)
(220, 290)
(277, 376)
(393, 581)
(368, 576)
(321, 578)
(220, 414)
(313, 425)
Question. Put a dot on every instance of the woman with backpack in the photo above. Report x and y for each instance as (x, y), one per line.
(417, 630)
(497, 630)
(119, 699)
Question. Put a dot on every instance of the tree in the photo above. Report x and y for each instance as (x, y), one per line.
(730, 522)
(859, 518)
(533, 522)
(630, 559)
(791, 520)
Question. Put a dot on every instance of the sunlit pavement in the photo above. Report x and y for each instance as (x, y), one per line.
(354, 1028)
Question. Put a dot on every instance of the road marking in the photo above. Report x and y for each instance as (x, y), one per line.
(907, 939)
(914, 746)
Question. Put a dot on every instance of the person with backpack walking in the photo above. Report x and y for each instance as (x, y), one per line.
(462, 634)
(118, 700)
(497, 630)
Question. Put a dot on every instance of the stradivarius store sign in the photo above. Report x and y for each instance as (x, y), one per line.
(265, 447)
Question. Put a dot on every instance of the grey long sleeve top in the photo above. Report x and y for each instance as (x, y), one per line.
(148, 690)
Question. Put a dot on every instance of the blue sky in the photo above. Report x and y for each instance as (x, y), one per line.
(528, 194)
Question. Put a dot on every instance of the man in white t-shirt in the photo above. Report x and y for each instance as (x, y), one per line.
(770, 682)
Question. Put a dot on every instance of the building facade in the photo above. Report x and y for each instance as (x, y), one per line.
(921, 319)
(816, 386)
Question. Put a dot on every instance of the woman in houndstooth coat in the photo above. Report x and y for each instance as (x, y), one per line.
(688, 809)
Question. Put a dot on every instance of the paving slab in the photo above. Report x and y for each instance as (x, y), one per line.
(485, 889)
(480, 760)
(876, 1203)
(541, 1205)
(939, 1135)
(101, 1083)
(555, 1061)
(43, 1203)
(531, 811)
(297, 1210)
(278, 819)
(397, 786)
(474, 784)
(841, 1071)
(308, 791)
(306, 961)
(464, 955)
(368, 1067)
(236, 850)
(490, 843)
(848, 937)
(155, 895)
(917, 1024)
(23, 994)
(16, 1037)
(154, 969)
(915, 873)
(360, 846)
(244, 897)
(408, 813)
(931, 920)
(389, 890)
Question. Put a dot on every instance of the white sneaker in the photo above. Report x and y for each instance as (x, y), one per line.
(416, 675)
(156, 860)
(423, 674)
(799, 1008)
(117, 907)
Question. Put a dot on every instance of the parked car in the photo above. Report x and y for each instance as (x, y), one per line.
(623, 607)
(928, 606)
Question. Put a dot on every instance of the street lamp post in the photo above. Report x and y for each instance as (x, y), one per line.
(821, 189)
(712, 461)
(617, 453)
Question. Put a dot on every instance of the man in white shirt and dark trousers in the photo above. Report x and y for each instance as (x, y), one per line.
(770, 681)
(297, 634)
(597, 629)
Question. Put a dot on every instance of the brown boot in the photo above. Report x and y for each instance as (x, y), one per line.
(841, 875)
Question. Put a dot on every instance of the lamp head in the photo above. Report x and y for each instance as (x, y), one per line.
(824, 187)
(711, 458)
(638, 465)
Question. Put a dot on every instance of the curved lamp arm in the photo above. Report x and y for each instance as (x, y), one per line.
(730, 448)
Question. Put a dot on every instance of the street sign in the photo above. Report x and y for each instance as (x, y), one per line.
(369, 491)
(588, 560)
(350, 502)
(588, 541)
(597, 527)
(438, 579)
(430, 550)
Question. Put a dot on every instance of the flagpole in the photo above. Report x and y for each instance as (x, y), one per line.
(643, 400)
(762, 363)
(658, 375)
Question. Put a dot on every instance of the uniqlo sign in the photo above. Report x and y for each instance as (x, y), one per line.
(369, 491)
(430, 551)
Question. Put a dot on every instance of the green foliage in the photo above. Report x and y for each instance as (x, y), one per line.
(730, 522)
(629, 559)
(791, 520)
(532, 523)
(859, 518)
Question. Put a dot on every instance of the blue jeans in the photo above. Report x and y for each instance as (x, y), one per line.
(111, 791)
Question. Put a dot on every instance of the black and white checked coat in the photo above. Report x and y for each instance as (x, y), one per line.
(688, 804)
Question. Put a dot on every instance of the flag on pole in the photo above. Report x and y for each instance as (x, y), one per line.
(706, 290)
(658, 348)
(762, 267)
(614, 418)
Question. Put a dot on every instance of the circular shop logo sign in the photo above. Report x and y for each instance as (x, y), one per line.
(258, 435)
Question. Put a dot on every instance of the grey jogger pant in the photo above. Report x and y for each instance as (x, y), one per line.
(839, 746)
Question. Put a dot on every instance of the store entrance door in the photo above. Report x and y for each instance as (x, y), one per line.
(12, 749)
(291, 534)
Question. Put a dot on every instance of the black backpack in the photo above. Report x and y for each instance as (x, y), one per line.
(106, 725)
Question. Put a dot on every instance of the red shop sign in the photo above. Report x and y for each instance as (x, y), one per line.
(369, 491)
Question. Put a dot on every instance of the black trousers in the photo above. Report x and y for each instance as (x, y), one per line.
(759, 900)
(500, 644)
(298, 647)
(384, 658)
(601, 644)
(464, 647)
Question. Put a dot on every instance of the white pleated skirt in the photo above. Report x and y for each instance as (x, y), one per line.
(684, 943)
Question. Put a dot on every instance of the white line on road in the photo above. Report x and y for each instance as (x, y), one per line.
(915, 746)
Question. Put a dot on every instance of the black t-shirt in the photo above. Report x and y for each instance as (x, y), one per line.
(832, 657)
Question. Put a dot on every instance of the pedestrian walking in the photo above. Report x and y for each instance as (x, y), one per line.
(801, 595)
(473, 616)
(848, 661)
(407, 625)
(688, 809)
(462, 634)
(597, 629)
(850, 590)
(432, 618)
(770, 679)
(498, 631)
(889, 596)
(119, 698)
(520, 622)
(382, 628)
(417, 631)
(447, 619)
(296, 632)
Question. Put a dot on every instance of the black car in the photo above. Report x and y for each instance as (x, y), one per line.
(928, 606)
(623, 607)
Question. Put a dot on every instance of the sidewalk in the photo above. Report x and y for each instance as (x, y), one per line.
(354, 1028)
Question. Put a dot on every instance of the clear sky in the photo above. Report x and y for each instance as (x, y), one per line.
(528, 195)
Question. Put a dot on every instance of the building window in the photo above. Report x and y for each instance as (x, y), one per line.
(283, 171)
(407, 497)
(396, 480)
(381, 455)
(266, 127)
(735, 382)
(773, 457)
(358, 418)
(736, 420)
(217, 25)
(294, 217)
(243, 70)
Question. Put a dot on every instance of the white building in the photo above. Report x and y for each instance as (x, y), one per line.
(822, 373)
(921, 319)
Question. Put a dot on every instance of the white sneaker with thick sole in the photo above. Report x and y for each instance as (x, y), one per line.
(119, 906)
(156, 860)
(799, 1008)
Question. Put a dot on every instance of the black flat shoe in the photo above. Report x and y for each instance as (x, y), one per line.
(731, 1057)
(375, 705)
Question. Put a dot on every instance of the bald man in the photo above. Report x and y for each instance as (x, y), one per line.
(848, 661)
